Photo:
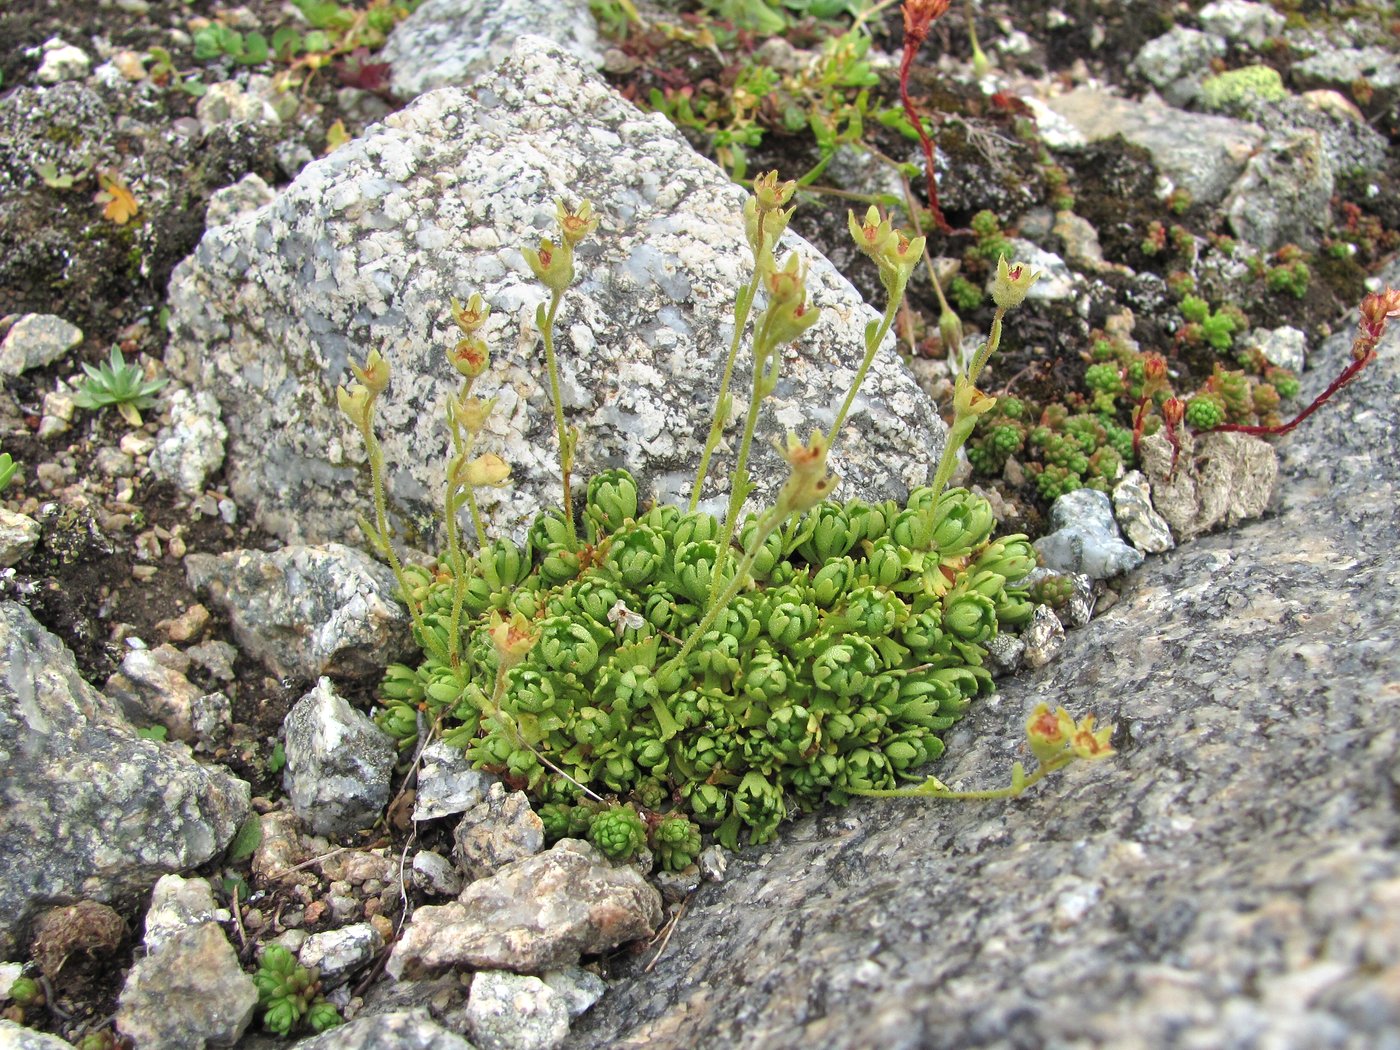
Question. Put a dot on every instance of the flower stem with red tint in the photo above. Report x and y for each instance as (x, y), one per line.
(919, 16)
(1376, 308)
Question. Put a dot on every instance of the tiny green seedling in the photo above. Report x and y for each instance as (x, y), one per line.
(115, 382)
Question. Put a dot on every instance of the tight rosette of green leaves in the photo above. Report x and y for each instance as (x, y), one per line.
(290, 993)
(855, 640)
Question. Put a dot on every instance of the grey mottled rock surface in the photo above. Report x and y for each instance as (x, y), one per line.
(365, 248)
(338, 763)
(532, 915)
(87, 808)
(190, 994)
(511, 1011)
(176, 905)
(307, 611)
(448, 42)
(447, 783)
(1241, 21)
(1283, 196)
(400, 1030)
(1232, 878)
(17, 1037)
(1142, 526)
(18, 535)
(1200, 152)
(191, 447)
(337, 954)
(1177, 61)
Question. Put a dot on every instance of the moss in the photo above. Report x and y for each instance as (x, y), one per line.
(1241, 87)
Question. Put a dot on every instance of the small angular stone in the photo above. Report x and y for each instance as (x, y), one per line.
(338, 954)
(1144, 528)
(36, 340)
(191, 994)
(338, 763)
(1044, 637)
(509, 1011)
(497, 831)
(1085, 537)
(531, 915)
(447, 783)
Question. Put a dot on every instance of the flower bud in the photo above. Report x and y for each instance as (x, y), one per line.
(512, 639)
(374, 373)
(950, 332)
(471, 413)
(772, 194)
(790, 320)
(1173, 409)
(552, 266)
(899, 259)
(356, 402)
(1011, 284)
(873, 235)
(471, 317)
(763, 229)
(469, 357)
(809, 483)
(788, 285)
(488, 470)
(574, 226)
(1048, 731)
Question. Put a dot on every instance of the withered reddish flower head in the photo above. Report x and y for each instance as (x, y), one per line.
(920, 14)
(1173, 409)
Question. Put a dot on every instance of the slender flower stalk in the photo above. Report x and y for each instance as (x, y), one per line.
(553, 265)
(1009, 290)
(919, 16)
(764, 222)
(1376, 309)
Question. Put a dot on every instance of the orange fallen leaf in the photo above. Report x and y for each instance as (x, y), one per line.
(120, 204)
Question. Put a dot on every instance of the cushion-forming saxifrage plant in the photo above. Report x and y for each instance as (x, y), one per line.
(715, 668)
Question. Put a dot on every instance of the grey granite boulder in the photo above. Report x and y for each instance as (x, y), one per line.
(365, 248)
(1284, 194)
(1230, 879)
(338, 763)
(447, 43)
(1176, 62)
(307, 611)
(87, 808)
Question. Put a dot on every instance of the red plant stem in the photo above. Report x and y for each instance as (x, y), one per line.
(1139, 421)
(1174, 440)
(917, 19)
(1348, 374)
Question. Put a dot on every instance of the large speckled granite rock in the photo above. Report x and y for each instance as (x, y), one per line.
(449, 42)
(1231, 879)
(365, 248)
